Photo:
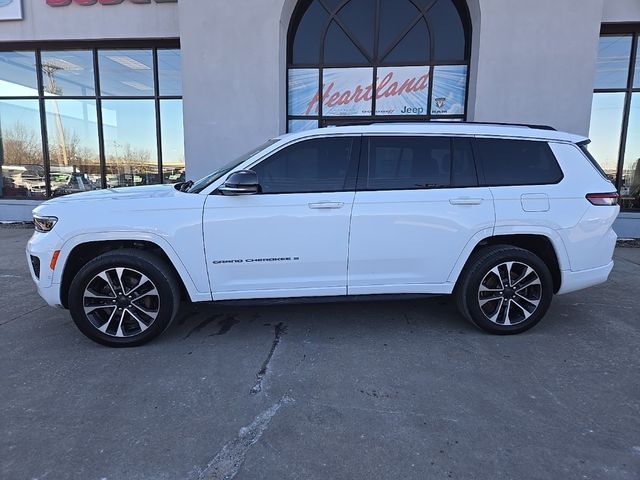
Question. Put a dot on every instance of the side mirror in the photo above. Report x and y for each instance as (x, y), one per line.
(243, 182)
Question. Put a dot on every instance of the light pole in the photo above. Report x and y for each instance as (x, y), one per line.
(49, 69)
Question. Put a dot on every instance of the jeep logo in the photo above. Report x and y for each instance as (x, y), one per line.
(407, 110)
(85, 3)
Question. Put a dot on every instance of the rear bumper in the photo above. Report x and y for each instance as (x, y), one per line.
(572, 281)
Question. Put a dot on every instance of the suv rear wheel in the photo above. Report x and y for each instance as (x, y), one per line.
(504, 289)
(124, 298)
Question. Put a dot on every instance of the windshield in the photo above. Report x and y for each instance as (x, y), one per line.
(212, 177)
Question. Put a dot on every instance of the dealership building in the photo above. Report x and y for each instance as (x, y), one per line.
(115, 93)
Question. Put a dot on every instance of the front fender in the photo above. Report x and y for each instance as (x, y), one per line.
(195, 288)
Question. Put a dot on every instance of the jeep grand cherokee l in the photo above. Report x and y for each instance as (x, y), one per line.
(503, 217)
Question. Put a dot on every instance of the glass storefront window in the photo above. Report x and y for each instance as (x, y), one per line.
(402, 90)
(303, 91)
(170, 72)
(376, 62)
(630, 188)
(606, 126)
(172, 141)
(21, 168)
(68, 73)
(636, 76)
(90, 128)
(126, 73)
(296, 126)
(612, 68)
(449, 89)
(18, 74)
(74, 158)
(130, 142)
(615, 114)
(348, 92)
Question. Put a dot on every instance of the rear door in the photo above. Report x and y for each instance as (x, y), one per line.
(417, 205)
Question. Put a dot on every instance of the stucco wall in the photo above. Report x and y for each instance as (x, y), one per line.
(75, 22)
(536, 62)
(621, 11)
(233, 95)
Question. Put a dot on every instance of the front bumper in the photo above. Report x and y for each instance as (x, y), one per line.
(42, 246)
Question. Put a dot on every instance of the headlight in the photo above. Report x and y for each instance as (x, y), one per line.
(44, 224)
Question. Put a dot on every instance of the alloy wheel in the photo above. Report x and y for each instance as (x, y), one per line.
(121, 302)
(510, 293)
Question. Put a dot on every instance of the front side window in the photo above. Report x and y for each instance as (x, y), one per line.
(318, 165)
(518, 162)
(407, 163)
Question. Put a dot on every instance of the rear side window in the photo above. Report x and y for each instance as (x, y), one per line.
(318, 165)
(405, 163)
(517, 162)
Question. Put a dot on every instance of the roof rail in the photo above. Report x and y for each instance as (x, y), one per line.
(505, 124)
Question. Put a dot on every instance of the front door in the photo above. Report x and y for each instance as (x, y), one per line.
(290, 240)
(417, 206)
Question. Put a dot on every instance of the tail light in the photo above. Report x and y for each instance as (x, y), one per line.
(607, 199)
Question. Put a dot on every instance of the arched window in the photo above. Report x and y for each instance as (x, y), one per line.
(353, 61)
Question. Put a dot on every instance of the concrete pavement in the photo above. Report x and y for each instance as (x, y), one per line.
(403, 389)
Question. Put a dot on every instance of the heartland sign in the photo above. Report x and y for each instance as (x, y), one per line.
(64, 3)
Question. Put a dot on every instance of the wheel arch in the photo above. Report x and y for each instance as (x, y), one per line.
(548, 246)
(80, 250)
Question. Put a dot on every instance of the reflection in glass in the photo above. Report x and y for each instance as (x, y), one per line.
(306, 44)
(447, 30)
(18, 74)
(21, 168)
(605, 130)
(612, 68)
(170, 72)
(130, 142)
(630, 189)
(72, 131)
(172, 140)
(126, 72)
(68, 73)
(636, 77)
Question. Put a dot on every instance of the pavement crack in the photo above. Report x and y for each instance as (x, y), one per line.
(227, 462)
(23, 315)
(279, 330)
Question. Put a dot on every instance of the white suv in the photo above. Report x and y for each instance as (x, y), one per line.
(502, 216)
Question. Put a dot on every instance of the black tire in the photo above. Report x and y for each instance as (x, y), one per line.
(508, 308)
(126, 322)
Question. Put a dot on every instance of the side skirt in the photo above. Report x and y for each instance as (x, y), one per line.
(329, 299)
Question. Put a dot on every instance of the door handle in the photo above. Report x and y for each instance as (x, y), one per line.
(465, 201)
(325, 205)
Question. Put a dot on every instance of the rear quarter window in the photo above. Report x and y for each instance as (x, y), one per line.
(517, 162)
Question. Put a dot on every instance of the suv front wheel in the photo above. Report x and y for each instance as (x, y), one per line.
(504, 289)
(124, 298)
